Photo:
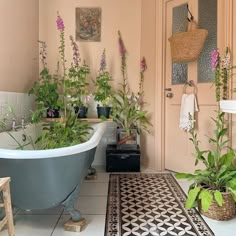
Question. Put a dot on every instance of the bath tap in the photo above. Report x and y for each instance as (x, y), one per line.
(22, 125)
(23, 122)
(13, 125)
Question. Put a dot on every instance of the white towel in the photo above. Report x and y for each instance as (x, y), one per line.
(188, 107)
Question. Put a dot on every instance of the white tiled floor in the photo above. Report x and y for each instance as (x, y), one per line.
(92, 204)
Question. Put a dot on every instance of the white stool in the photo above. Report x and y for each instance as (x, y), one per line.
(8, 219)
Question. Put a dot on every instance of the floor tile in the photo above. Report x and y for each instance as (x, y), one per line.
(52, 211)
(102, 177)
(93, 189)
(100, 168)
(222, 228)
(94, 227)
(33, 225)
(91, 205)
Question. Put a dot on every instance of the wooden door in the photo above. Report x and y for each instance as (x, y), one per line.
(178, 147)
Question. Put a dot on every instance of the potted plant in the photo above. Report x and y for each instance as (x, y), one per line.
(214, 188)
(77, 83)
(103, 92)
(45, 89)
(127, 107)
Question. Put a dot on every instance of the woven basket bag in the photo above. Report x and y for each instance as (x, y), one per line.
(225, 212)
(187, 46)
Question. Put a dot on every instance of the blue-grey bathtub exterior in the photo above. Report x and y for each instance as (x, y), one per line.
(41, 183)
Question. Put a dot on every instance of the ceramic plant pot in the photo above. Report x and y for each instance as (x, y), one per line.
(103, 112)
(53, 112)
(81, 111)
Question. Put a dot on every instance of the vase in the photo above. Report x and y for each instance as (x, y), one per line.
(103, 112)
(81, 111)
(225, 212)
(53, 112)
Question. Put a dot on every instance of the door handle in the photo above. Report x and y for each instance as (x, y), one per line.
(167, 89)
(169, 95)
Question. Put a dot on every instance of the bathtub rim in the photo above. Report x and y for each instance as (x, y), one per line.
(57, 152)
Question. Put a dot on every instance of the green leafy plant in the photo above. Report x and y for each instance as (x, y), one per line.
(103, 90)
(64, 133)
(219, 174)
(77, 82)
(45, 88)
(127, 107)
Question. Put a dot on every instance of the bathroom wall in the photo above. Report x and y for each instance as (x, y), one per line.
(148, 50)
(18, 55)
(120, 15)
(18, 44)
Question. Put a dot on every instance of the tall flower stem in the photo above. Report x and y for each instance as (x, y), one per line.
(123, 53)
(61, 28)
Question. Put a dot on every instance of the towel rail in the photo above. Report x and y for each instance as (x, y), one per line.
(190, 84)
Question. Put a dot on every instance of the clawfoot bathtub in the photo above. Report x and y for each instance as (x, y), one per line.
(42, 179)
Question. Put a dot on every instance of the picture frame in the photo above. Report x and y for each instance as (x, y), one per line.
(88, 24)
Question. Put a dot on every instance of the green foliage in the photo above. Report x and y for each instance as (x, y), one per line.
(76, 86)
(127, 114)
(64, 133)
(126, 106)
(103, 93)
(219, 175)
(46, 90)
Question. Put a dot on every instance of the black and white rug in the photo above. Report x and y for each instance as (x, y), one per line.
(150, 204)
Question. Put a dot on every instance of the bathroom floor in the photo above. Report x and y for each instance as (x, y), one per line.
(92, 204)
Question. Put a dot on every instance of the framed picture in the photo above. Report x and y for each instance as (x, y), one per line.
(88, 24)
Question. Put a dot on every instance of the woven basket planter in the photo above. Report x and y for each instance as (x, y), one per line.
(226, 212)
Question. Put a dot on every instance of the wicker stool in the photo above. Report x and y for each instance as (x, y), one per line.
(8, 219)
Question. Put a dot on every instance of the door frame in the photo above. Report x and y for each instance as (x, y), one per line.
(224, 38)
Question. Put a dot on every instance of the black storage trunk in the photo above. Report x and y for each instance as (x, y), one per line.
(122, 160)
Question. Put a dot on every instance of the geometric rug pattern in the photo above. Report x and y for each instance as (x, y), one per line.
(150, 204)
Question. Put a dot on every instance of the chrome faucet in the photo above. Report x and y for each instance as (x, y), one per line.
(13, 125)
(23, 122)
(22, 125)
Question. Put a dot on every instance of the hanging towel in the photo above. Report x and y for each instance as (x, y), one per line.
(188, 106)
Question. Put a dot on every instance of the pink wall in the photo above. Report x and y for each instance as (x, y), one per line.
(120, 15)
(18, 44)
(148, 49)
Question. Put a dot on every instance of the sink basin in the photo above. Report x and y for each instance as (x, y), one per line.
(228, 106)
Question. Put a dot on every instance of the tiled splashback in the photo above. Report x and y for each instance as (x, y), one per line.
(21, 103)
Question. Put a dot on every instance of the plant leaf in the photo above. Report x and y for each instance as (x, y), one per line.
(218, 197)
(206, 199)
(192, 196)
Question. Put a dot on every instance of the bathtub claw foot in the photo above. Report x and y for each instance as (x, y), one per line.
(69, 205)
(92, 174)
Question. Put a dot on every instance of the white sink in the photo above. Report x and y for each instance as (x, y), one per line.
(228, 106)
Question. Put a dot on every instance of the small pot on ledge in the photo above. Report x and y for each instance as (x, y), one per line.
(81, 111)
(53, 112)
(103, 111)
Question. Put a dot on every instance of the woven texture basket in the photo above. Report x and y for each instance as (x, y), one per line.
(226, 212)
(187, 46)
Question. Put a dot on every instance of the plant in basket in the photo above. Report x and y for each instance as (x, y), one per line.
(77, 83)
(214, 188)
(103, 93)
(127, 107)
(45, 89)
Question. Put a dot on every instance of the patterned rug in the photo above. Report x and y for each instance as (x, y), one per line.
(150, 204)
